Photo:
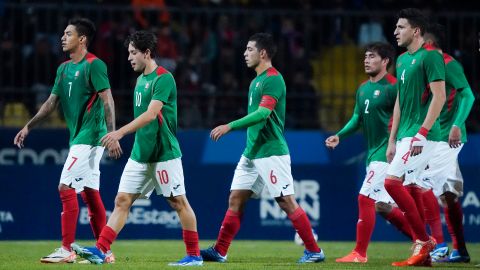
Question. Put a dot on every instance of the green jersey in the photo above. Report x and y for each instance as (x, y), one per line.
(374, 106)
(266, 138)
(415, 72)
(455, 81)
(157, 141)
(77, 85)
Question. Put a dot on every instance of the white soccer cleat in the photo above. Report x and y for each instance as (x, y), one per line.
(60, 255)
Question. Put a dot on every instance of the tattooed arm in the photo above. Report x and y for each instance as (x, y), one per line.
(114, 150)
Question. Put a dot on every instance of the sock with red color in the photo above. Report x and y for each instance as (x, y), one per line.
(302, 225)
(107, 236)
(454, 219)
(398, 219)
(365, 223)
(407, 204)
(69, 216)
(190, 238)
(432, 215)
(230, 227)
(96, 210)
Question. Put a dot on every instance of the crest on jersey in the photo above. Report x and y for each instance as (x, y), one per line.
(147, 85)
(413, 61)
(257, 85)
(77, 73)
(376, 93)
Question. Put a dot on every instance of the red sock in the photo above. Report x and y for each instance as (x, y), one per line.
(302, 225)
(230, 228)
(69, 216)
(432, 215)
(417, 194)
(190, 238)
(365, 223)
(454, 218)
(406, 203)
(107, 236)
(96, 210)
(397, 218)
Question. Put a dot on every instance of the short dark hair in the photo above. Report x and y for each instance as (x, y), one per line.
(264, 41)
(143, 41)
(84, 27)
(436, 33)
(415, 18)
(385, 50)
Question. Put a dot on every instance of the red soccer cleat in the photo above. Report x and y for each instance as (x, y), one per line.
(352, 257)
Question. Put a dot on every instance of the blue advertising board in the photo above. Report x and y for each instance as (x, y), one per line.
(326, 185)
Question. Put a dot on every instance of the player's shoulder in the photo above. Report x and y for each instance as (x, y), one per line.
(390, 79)
(363, 84)
(429, 50)
(160, 71)
(273, 72)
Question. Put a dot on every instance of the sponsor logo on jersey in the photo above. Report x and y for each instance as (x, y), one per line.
(414, 61)
(409, 171)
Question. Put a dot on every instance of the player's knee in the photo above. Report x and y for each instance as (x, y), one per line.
(383, 208)
(448, 198)
(63, 187)
(177, 203)
(287, 203)
(123, 202)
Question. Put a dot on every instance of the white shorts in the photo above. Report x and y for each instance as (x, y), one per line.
(411, 167)
(165, 177)
(82, 167)
(274, 172)
(443, 173)
(373, 185)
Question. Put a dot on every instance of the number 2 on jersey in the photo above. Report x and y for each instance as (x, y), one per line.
(367, 102)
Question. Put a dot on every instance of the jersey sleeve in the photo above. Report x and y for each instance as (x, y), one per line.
(274, 86)
(455, 75)
(99, 76)
(434, 66)
(58, 77)
(162, 87)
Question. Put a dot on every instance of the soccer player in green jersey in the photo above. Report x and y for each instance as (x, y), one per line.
(155, 162)
(82, 88)
(420, 98)
(266, 160)
(375, 99)
(442, 177)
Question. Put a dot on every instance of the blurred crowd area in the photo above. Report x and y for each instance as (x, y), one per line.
(320, 53)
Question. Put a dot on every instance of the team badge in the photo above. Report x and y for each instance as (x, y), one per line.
(147, 85)
(376, 93)
(413, 61)
(257, 85)
(76, 74)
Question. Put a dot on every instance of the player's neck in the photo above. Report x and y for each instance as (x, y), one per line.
(415, 45)
(262, 66)
(378, 77)
(78, 55)
(150, 67)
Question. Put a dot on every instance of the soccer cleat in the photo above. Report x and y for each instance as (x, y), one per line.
(211, 255)
(109, 258)
(60, 255)
(312, 257)
(352, 257)
(189, 261)
(440, 253)
(92, 254)
(458, 257)
(421, 254)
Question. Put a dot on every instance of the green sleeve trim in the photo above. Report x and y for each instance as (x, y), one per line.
(464, 106)
(352, 125)
(260, 115)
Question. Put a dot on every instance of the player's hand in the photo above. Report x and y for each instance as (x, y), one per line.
(115, 150)
(219, 131)
(20, 137)
(110, 139)
(332, 141)
(416, 144)
(455, 137)
(391, 150)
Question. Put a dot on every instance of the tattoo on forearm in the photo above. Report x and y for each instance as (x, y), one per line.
(109, 108)
(48, 107)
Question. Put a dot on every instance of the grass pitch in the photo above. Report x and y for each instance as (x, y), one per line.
(248, 255)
